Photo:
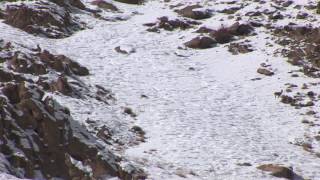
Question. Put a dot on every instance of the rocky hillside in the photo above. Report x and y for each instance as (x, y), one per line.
(170, 89)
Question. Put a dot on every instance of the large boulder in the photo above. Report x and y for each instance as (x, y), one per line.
(279, 171)
(104, 5)
(201, 42)
(227, 34)
(194, 12)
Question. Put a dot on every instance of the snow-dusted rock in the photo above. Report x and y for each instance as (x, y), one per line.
(194, 12)
(39, 18)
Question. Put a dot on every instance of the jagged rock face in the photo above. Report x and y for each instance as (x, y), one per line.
(38, 137)
(42, 18)
(46, 137)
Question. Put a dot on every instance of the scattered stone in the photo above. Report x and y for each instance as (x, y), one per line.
(144, 96)
(244, 164)
(125, 49)
(239, 48)
(265, 72)
(305, 121)
(287, 99)
(138, 130)
(130, 112)
(311, 113)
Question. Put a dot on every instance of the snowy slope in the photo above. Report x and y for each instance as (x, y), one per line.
(201, 122)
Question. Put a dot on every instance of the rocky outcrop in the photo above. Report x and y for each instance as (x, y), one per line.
(39, 138)
(105, 5)
(42, 18)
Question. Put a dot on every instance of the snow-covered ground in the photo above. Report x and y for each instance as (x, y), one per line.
(204, 114)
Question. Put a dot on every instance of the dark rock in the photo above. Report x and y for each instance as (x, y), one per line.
(237, 48)
(104, 5)
(204, 30)
(244, 164)
(222, 35)
(201, 42)
(287, 99)
(129, 111)
(226, 34)
(124, 50)
(62, 63)
(131, 1)
(230, 10)
(138, 130)
(170, 25)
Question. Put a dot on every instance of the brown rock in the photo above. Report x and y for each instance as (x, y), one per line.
(204, 30)
(237, 48)
(201, 42)
(165, 23)
(40, 19)
(192, 12)
(277, 170)
(104, 5)
(265, 72)
(62, 63)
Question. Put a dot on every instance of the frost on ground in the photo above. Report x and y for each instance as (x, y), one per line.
(213, 113)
